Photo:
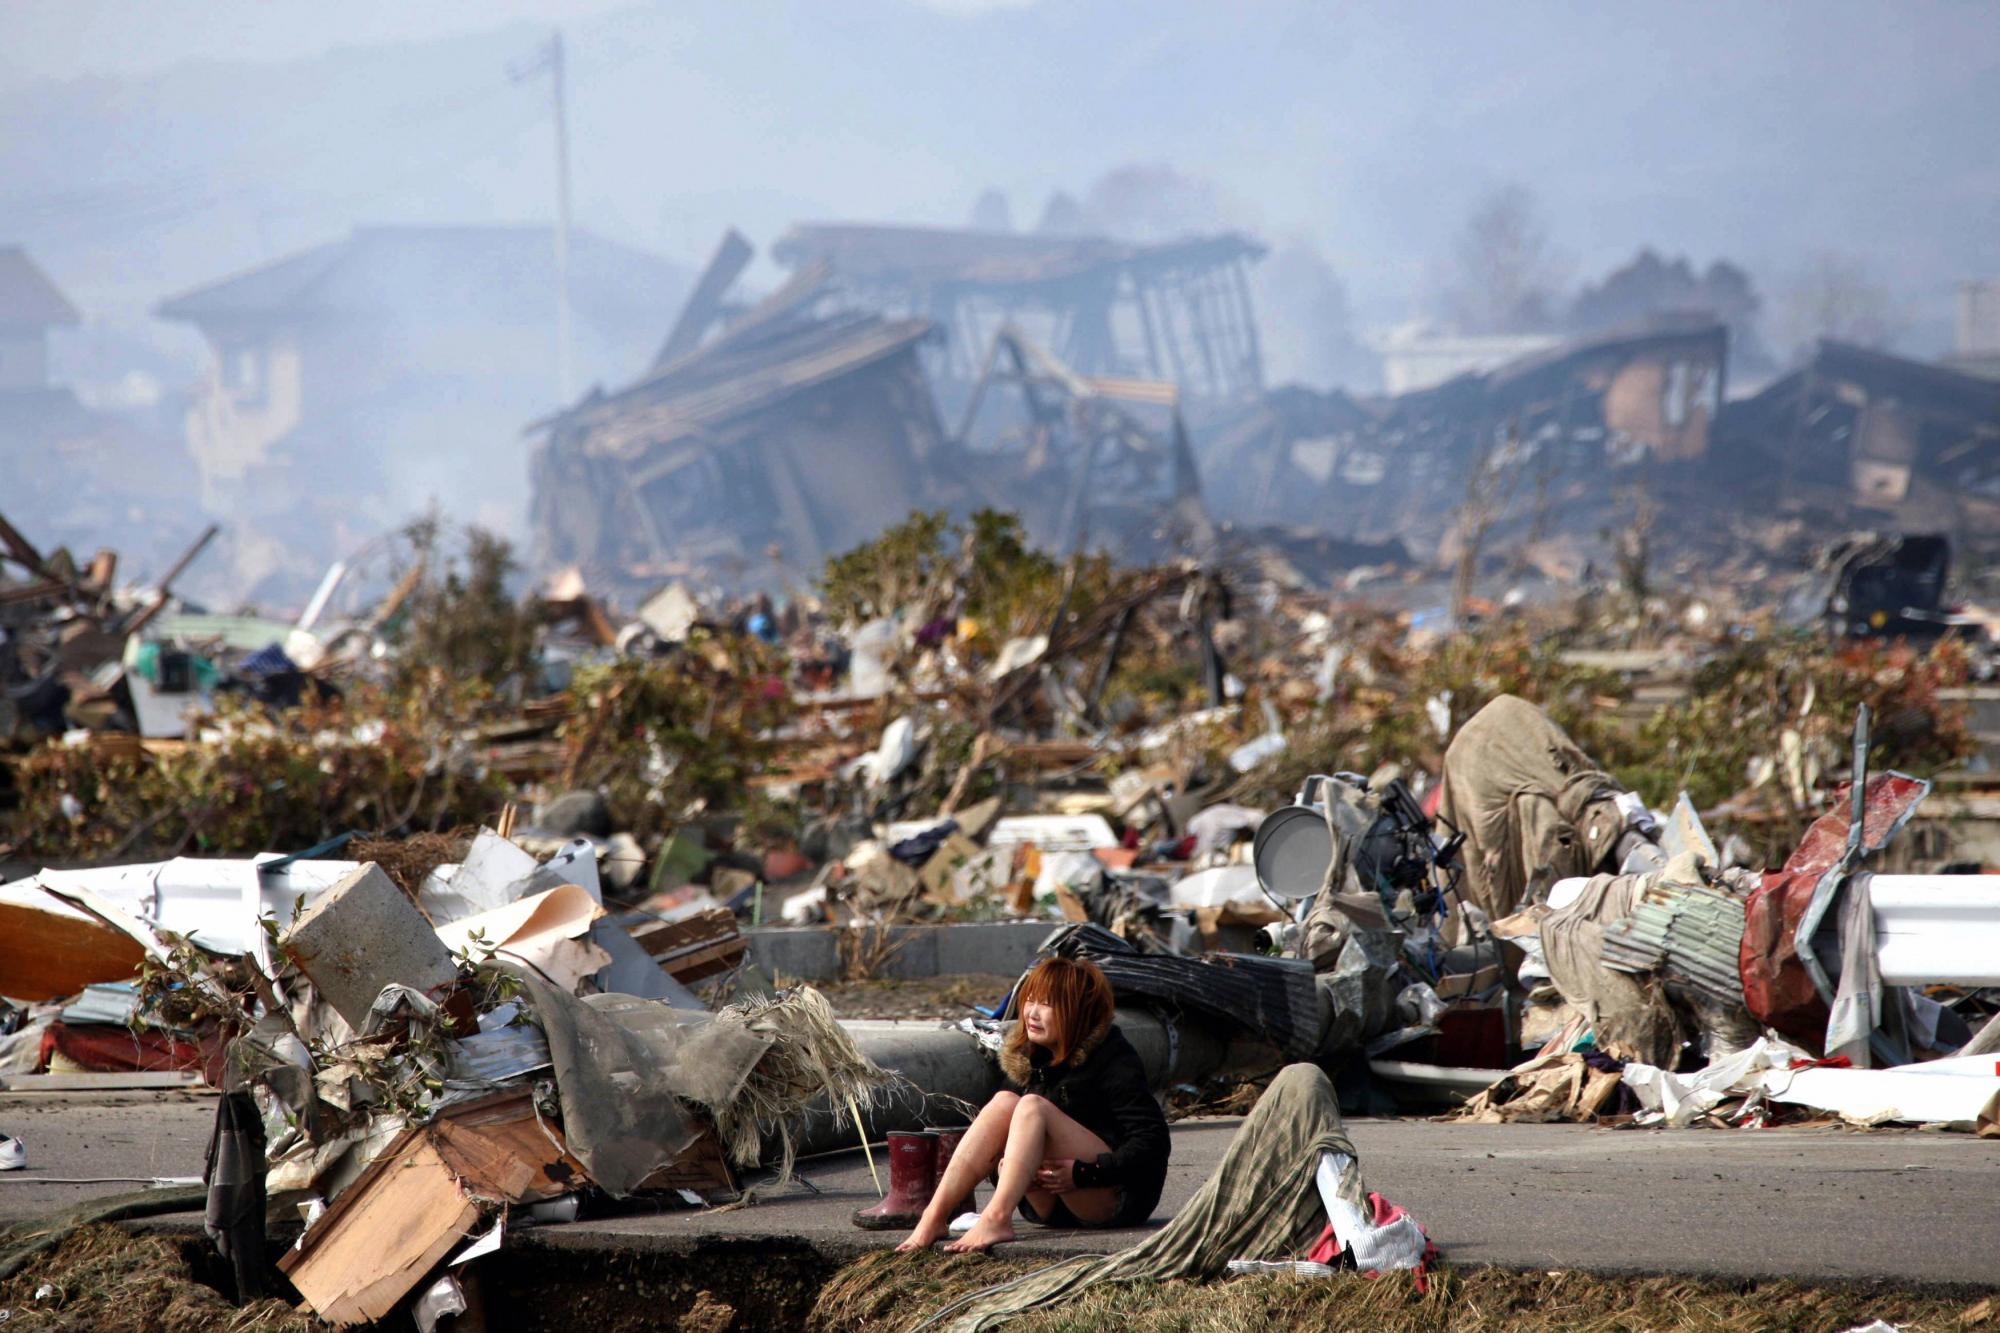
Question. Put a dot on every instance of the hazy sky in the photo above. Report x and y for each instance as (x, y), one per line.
(52, 39)
(151, 146)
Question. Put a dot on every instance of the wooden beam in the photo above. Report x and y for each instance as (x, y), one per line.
(731, 257)
(1248, 312)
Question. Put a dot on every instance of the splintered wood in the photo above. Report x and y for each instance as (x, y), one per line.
(699, 947)
(414, 1202)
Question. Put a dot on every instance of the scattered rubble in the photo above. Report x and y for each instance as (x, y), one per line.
(472, 949)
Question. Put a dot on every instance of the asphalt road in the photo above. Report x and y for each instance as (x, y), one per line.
(135, 1135)
(1810, 1204)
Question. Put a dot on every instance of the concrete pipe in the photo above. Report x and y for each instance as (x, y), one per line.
(947, 1073)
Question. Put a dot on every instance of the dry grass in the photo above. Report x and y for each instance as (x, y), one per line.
(706, 1315)
(103, 1279)
(887, 1292)
(810, 1056)
(865, 951)
(1233, 1099)
(408, 860)
(950, 997)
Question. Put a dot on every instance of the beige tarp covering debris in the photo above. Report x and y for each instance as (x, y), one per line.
(1533, 807)
(1628, 1013)
(1549, 1087)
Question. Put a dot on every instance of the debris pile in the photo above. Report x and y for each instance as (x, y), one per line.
(1441, 855)
(401, 1070)
(1676, 989)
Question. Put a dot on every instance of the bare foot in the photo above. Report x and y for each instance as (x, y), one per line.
(985, 1234)
(926, 1234)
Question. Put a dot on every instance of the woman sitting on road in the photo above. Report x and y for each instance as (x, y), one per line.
(1082, 1144)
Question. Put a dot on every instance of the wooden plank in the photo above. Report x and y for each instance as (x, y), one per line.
(699, 946)
(32, 592)
(704, 962)
(399, 1221)
(500, 1149)
(731, 257)
(389, 1228)
(20, 548)
(664, 938)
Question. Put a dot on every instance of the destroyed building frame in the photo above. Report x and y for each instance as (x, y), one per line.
(1176, 310)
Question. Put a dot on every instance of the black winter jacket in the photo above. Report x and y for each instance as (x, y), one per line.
(1102, 1086)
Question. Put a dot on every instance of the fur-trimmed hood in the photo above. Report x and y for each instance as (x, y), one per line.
(1015, 1051)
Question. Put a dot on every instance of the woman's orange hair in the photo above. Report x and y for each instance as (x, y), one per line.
(1077, 990)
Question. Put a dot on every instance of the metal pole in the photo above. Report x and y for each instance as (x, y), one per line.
(565, 375)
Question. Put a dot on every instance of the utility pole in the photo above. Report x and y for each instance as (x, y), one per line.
(550, 57)
(565, 373)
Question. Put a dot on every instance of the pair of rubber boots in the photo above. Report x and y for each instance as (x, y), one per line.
(917, 1162)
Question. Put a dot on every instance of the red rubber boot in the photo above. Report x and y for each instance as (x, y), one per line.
(948, 1140)
(913, 1171)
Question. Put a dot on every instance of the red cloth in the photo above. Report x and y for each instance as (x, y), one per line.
(1831, 1062)
(1383, 1211)
(107, 1048)
(1776, 986)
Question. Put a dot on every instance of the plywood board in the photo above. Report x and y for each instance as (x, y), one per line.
(383, 1235)
(502, 1151)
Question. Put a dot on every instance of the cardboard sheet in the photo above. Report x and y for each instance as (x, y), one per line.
(550, 932)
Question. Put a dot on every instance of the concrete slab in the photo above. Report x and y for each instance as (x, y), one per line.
(360, 936)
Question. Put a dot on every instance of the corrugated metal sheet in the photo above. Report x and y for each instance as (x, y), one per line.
(1692, 933)
(502, 1054)
(108, 1002)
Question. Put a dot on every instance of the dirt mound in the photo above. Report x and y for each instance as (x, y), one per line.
(889, 1292)
(103, 1279)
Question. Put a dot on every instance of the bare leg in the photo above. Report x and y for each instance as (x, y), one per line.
(1039, 1132)
(977, 1152)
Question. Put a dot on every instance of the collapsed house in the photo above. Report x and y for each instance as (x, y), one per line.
(1860, 437)
(1538, 444)
(1177, 310)
(1115, 450)
(1548, 453)
(1270, 461)
(1112, 394)
(371, 373)
(767, 438)
(803, 435)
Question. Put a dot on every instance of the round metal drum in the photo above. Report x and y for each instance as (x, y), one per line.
(1291, 851)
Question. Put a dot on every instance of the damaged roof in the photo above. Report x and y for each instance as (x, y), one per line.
(983, 258)
(1529, 373)
(485, 269)
(28, 299)
(732, 377)
(1935, 387)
